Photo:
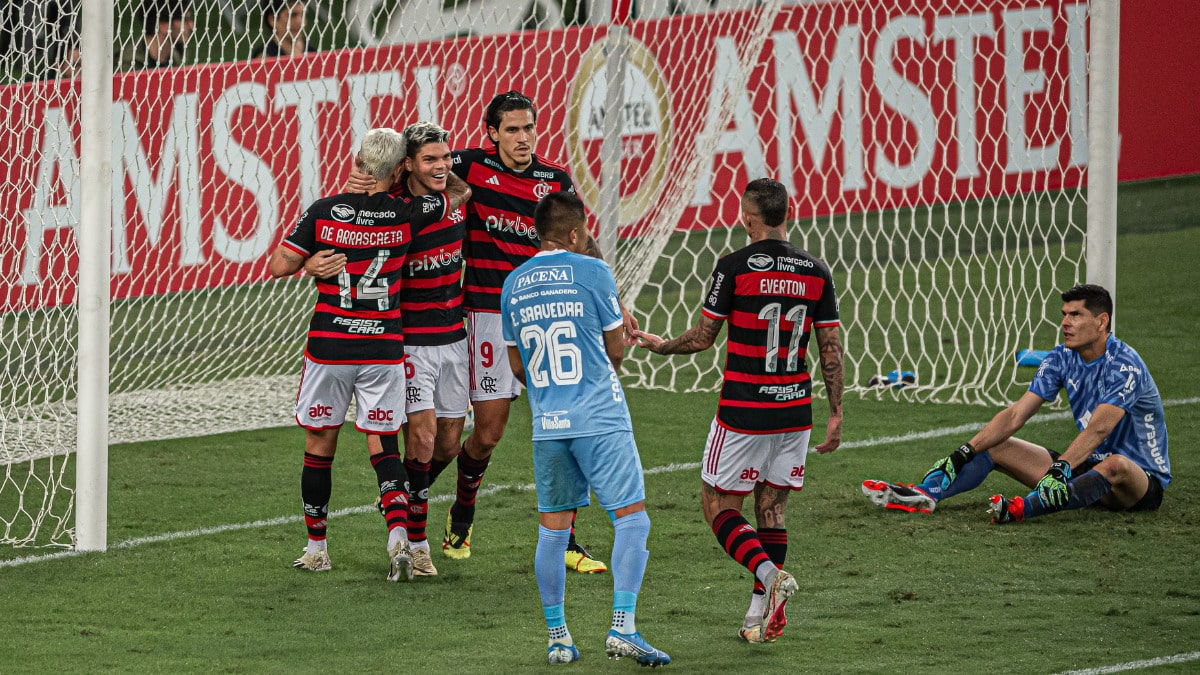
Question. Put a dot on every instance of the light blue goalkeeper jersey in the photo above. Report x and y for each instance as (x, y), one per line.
(556, 307)
(1118, 377)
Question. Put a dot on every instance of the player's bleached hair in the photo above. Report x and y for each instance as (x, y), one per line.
(557, 214)
(382, 149)
(422, 133)
(507, 102)
(1095, 298)
(771, 199)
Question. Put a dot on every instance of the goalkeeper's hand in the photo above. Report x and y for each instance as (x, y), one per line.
(1052, 488)
(950, 466)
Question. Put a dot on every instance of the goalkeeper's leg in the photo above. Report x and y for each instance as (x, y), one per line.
(1116, 483)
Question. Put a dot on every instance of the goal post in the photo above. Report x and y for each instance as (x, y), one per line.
(937, 155)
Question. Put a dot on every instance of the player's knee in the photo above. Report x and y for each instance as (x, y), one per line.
(419, 443)
(1118, 469)
(487, 436)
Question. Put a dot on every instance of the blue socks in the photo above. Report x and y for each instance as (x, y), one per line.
(1083, 490)
(548, 566)
(969, 477)
(629, 558)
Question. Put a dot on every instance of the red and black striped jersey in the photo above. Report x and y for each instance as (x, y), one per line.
(357, 317)
(431, 297)
(772, 294)
(500, 233)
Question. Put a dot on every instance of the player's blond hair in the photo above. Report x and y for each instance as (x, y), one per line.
(382, 149)
(417, 135)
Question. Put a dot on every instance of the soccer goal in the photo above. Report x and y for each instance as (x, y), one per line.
(937, 154)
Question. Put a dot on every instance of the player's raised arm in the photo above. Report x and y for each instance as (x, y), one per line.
(457, 190)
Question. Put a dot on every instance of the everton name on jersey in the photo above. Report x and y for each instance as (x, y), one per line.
(556, 309)
(1118, 377)
(772, 294)
(357, 317)
(431, 296)
(500, 232)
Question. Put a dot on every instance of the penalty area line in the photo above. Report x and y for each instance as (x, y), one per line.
(1136, 665)
(493, 489)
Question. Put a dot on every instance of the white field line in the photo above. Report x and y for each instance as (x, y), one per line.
(1136, 665)
(493, 489)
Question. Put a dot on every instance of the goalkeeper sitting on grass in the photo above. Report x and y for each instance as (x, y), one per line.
(1118, 460)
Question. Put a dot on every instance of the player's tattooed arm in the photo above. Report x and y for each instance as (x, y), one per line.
(457, 190)
(833, 357)
(696, 339)
(284, 262)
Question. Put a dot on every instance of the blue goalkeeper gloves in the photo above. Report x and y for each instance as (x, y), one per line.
(1052, 488)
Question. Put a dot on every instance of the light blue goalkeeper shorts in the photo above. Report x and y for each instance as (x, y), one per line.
(565, 468)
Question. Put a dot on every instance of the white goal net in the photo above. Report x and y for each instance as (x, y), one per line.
(935, 152)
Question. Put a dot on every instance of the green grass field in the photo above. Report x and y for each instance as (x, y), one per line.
(202, 532)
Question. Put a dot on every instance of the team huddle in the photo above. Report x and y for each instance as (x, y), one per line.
(449, 280)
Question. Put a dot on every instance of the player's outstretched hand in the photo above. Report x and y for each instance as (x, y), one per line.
(647, 340)
(325, 264)
(358, 181)
(833, 435)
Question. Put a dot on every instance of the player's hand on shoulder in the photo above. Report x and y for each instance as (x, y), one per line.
(358, 181)
(325, 264)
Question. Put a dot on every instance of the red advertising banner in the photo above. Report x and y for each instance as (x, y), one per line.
(854, 106)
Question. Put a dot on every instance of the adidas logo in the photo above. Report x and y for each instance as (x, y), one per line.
(493, 181)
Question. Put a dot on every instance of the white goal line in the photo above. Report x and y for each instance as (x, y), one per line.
(1136, 665)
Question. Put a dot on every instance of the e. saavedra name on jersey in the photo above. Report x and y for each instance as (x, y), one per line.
(551, 310)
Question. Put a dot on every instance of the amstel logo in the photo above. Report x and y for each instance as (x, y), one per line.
(645, 129)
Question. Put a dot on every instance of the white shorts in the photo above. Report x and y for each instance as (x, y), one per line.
(491, 377)
(326, 390)
(734, 463)
(437, 379)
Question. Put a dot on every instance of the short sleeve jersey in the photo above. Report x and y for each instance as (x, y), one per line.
(500, 233)
(431, 294)
(1119, 377)
(557, 307)
(357, 317)
(772, 294)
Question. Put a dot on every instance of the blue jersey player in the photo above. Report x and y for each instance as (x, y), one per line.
(561, 321)
(1119, 459)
